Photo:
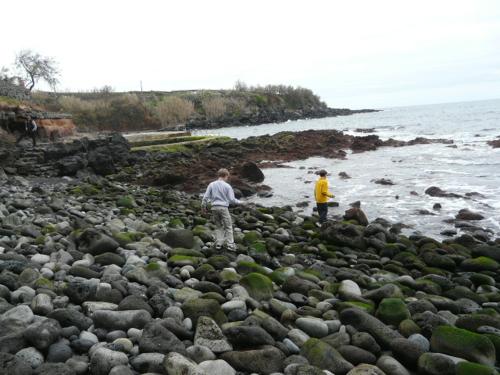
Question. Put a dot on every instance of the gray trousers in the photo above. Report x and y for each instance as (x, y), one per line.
(224, 231)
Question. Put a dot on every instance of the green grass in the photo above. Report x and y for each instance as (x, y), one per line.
(9, 101)
(187, 146)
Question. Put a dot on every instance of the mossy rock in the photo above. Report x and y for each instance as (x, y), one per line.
(153, 266)
(40, 240)
(176, 223)
(428, 286)
(251, 237)
(124, 238)
(184, 260)
(479, 264)
(392, 311)
(258, 247)
(229, 277)
(195, 308)
(309, 276)
(464, 344)
(280, 275)
(126, 201)
(202, 232)
(438, 261)
(42, 282)
(85, 189)
(324, 356)
(482, 279)
(369, 308)
(472, 322)
(259, 287)
(245, 267)
(49, 228)
(183, 251)
(219, 261)
(470, 368)
(408, 327)
(200, 272)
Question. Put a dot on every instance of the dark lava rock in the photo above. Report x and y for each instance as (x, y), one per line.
(363, 321)
(356, 214)
(71, 317)
(157, 339)
(344, 175)
(322, 355)
(434, 191)
(12, 365)
(265, 360)
(59, 352)
(384, 181)
(93, 242)
(43, 333)
(248, 336)
(465, 214)
(178, 238)
(251, 172)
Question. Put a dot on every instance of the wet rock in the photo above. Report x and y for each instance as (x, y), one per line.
(10, 364)
(70, 317)
(434, 191)
(251, 172)
(365, 322)
(324, 356)
(178, 238)
(265, 360)
(122, 320)
(148, 362)
(218, 367)
(157, 339)
(463, 344)
(356, 214)
(390, 365)
(248, 336)
(103, 360)
(43, 333)
(466, 214)
(177, 364)
(209, 334)
(93, 242)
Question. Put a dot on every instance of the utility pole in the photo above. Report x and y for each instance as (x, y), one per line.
(141, 85)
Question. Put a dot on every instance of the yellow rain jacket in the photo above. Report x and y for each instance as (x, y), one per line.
(321, 192)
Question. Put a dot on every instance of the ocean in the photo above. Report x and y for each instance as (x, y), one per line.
(469, 166)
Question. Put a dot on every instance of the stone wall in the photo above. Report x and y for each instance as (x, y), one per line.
(13, 91)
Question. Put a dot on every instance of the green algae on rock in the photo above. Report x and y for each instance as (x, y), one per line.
(464, 344)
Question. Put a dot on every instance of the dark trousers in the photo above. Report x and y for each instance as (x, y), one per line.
(322, 211)
(32, 135)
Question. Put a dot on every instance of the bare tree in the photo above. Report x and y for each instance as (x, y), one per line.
(34, 67)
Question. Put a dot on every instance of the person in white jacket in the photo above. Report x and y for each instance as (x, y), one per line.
(220, 195)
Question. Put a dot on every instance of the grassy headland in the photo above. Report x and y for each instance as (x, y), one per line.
(113, 111)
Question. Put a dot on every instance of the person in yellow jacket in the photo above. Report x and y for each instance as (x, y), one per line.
(321, 195)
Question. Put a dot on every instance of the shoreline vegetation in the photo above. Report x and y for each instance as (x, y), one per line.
(105, 110)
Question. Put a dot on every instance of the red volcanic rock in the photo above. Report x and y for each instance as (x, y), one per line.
(56, 128)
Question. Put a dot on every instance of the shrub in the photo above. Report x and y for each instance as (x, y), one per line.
(214, 107)
(173, 110)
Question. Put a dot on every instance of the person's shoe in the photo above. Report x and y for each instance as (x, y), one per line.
(318, 224)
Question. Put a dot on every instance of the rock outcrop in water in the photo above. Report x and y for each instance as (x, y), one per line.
(189, 167)
(102, 277)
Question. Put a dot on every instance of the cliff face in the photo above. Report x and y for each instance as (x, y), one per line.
(50, 125)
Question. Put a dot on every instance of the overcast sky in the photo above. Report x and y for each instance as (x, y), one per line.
(352, 53)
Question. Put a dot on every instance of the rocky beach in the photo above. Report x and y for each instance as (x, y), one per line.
(107, 266)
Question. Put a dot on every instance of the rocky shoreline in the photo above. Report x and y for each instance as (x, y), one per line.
(270, 115)
(102, 277)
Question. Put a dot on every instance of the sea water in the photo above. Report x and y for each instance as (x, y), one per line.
(469, 166)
